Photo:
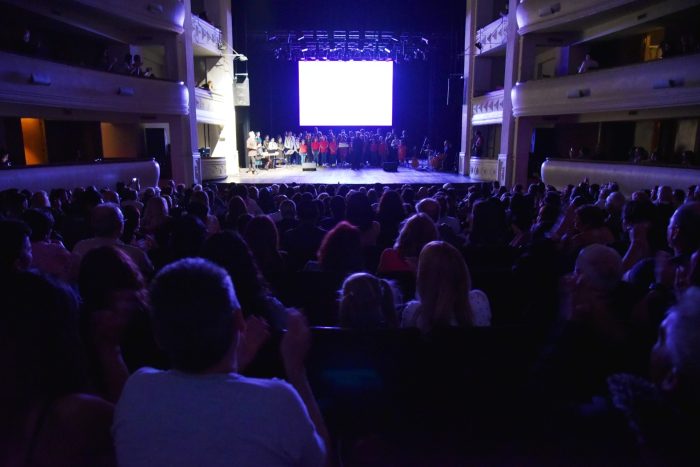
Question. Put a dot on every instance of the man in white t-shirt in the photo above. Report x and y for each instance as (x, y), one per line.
(203, 412)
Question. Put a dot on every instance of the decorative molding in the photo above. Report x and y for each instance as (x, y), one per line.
(483, 169)
(488, 109)
(207, 39)
(493, 36)
(626, 88)
(630, 178)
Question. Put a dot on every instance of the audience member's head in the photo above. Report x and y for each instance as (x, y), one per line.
(109, 279)
(675, 359)
(40, 222)
(598, 269)
(341, 250)
(367, 302)
(107, 221)
(358, 211)
(442, 286)
(193, 307)
(417, 231)
(430, 207)
(15, 246)
(41, 354)
(684, 229)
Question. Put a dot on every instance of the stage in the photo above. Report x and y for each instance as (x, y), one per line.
(336, 175)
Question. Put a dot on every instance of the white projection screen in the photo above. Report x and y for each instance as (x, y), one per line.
(337, 93)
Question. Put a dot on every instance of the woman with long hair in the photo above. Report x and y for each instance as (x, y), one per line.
(416, 232)
(230, 251)
(443, 289)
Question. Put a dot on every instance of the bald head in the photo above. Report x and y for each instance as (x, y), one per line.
(684, 229)
(107, 220)
(600, 267)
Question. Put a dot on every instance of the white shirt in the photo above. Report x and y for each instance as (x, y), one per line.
(481, 312)
(169, 418)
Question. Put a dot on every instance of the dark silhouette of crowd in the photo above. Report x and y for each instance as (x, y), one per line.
(410, 325)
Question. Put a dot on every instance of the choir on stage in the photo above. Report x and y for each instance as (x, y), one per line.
(355, 149)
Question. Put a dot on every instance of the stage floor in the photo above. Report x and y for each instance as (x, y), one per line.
(328, 175)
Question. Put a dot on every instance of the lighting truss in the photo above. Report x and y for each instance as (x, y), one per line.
(348, 45)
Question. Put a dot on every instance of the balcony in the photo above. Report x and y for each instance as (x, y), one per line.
(493, 38)
(211, 107)
(547, 15)
(167, 15)
(590, 19)
(31, 81)
(673, 82)
(629, 177)
(105, 173)
(488, 109)
(207, 40)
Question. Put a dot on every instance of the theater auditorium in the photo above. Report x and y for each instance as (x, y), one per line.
(349, 233)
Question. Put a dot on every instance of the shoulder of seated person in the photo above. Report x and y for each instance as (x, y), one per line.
(78, 407)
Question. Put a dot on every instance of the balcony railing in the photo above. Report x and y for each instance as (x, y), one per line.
(672, 82)
(493, 36)
(31, 81)
(207, 40)
(104, 173)
(166, 15)
(488, 109)
(629, 177)
(535, 15)
(211, 107)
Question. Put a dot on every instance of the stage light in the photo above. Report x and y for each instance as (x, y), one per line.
(387, 50)
(305, 49)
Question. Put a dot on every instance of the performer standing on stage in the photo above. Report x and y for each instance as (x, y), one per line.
(303, 150)
(289, 146)
(315, 148)
(333, 150)
(356, 149)
(252, 147)
(323, 149)
(343, 148)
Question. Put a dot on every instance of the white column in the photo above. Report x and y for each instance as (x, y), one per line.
(467, 112)
(505, 156)
(183, 130)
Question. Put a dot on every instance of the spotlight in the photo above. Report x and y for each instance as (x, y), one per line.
(424, 40)
(305, 49)
(387, 50)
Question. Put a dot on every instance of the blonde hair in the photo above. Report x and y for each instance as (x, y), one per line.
(415, 233)
(367, 302)
(442, 286)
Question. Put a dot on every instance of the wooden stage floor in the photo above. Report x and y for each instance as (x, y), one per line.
(335, 175)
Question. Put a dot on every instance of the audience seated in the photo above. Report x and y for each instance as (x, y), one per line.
(443, 290)
(248, 421)
(108, 225)
(367, 302)
(416, 232)
(48, 418)
(573, 287)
